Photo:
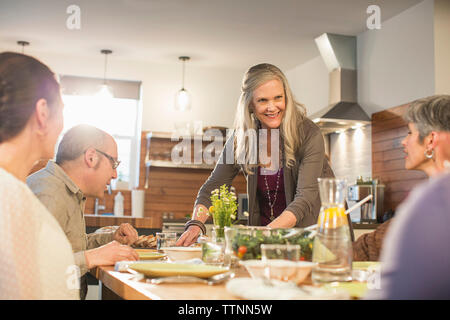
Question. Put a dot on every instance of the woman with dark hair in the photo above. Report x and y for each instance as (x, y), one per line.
(280, 151)
(36, 257)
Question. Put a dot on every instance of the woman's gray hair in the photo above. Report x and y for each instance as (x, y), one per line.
(429, 114)
(77, 140)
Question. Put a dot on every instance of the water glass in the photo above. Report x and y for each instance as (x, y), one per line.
(280, 261)
(213, 252)
(165, 239)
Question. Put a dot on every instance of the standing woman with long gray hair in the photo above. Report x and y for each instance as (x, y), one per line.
(280, 151)
(35, 256)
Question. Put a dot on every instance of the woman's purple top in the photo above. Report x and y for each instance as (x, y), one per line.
(280, 204)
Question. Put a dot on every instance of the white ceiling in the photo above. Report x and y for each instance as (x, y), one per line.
(219, 33)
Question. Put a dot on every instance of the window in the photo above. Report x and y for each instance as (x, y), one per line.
(119, 117)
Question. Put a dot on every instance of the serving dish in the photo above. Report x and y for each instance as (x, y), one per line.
(245, 242)
(284, 270)
(182, 253)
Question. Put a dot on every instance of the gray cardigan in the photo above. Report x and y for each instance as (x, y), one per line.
(300, 180)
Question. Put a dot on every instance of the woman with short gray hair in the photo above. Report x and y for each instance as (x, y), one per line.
(427, 146)
(426, 118)
(415, 264)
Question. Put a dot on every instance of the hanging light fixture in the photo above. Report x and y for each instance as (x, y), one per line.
(23, 44)
(183, 98)
(105, 91)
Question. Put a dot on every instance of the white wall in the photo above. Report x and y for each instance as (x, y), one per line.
(442, 46)
(395, 66)
(214, 92)
(309, 84)
(351, 156)
(396, 63)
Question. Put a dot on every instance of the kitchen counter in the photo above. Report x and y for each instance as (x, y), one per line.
(358, 225)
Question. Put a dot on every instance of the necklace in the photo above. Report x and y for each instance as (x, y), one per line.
(271, 204)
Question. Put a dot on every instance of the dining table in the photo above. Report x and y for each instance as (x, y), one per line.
(129, 285)
(115, 285)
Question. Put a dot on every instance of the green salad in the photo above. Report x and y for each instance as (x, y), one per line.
(247, 246)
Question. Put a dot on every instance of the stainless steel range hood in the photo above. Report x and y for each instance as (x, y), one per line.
(343, 111)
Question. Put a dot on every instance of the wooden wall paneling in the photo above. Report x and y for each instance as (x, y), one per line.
(385, 145)
(399, 132)
(388, 157)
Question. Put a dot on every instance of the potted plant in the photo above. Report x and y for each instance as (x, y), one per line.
(223, 209)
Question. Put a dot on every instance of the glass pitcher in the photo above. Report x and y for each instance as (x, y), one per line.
(332, 250)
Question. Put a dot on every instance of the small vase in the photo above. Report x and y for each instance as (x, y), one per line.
(218, 233)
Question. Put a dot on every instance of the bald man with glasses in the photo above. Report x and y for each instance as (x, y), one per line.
(86, 161)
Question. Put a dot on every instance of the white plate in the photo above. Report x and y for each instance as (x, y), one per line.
(177, 269)
(257, 289)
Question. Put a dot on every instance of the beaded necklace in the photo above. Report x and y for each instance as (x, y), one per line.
(271, 204)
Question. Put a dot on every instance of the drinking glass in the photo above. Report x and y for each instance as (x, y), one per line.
(280, 261)
(165, 239)
(213, 252)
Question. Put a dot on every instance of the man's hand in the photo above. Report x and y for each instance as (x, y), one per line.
(126, 234)
(109, 254)
(189, 236)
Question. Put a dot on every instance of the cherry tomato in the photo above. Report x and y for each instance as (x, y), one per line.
(241, 251)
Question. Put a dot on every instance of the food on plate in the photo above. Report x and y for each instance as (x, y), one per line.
(107, 229)
(145, 241)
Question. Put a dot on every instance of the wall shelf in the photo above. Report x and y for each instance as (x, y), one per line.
(170, 164)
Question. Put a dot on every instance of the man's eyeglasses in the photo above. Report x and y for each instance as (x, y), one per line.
(115, 163)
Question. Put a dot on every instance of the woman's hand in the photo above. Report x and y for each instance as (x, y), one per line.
(189, 236)
(286, 219)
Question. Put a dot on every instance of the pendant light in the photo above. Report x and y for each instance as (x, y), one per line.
(23, 44)
(105, 91)
(183, 98)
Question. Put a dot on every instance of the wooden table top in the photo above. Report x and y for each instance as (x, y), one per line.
(126, 286)
(129, 287)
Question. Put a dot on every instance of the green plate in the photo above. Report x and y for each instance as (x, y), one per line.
(364, 265)
(177, 269)
(151, 255)
(354, 289)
